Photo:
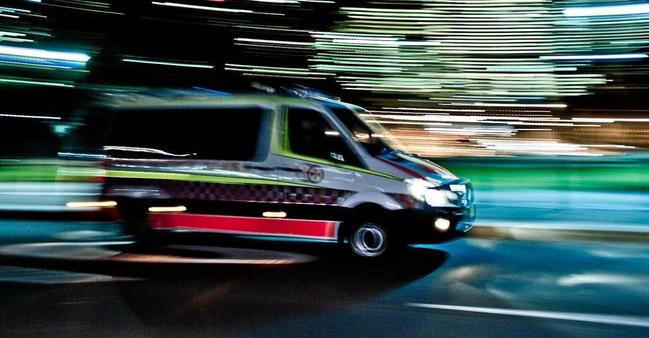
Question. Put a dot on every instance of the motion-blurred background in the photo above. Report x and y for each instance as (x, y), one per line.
(542, 104)
(531, 99)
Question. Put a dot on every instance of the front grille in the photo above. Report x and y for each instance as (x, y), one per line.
(465, 198)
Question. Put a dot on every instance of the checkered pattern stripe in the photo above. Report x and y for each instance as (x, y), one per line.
(238, 192)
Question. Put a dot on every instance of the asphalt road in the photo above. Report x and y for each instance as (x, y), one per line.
(467, 288)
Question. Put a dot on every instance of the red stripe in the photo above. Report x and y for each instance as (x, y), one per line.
(404, 169)
(245, 225)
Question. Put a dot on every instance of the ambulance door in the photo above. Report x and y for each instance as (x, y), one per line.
(316, 158)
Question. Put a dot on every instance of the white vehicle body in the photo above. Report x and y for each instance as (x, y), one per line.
(308, 175)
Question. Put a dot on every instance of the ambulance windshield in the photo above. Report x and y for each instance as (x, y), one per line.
(374, 139)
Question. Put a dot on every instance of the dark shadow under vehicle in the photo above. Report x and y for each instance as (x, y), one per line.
(222, 298)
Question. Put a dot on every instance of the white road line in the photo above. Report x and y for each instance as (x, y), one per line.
(561, 226)
(572, 316)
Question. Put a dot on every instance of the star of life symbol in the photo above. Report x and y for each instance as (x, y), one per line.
(314, 174)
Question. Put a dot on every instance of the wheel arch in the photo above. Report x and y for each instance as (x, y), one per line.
(364, 211)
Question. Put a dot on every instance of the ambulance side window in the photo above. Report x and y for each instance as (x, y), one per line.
(225, 134)
(311, 135)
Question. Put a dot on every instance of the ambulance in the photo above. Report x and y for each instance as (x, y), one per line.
(271, 166)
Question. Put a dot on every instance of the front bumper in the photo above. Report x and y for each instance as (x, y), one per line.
(419, 225)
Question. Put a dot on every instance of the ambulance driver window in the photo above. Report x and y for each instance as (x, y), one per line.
(311, 135)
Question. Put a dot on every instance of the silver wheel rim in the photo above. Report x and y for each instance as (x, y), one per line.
(368, 240)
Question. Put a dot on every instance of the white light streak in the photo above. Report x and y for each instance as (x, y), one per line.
(37, 83)
(205, 8)
(594, 57)
(511, 105)
(144, 150)
(173, 64)
(607, 10)
(281, 42)
(569, 316)
(31, 116)
(44, 54)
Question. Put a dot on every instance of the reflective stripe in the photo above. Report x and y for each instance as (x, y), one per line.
(245, 225)
(403, 168)
(196, 178)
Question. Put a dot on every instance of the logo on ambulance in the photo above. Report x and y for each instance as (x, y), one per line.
(314, 173)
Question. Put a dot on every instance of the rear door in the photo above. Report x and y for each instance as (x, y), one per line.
(197, 154)
(29, 166)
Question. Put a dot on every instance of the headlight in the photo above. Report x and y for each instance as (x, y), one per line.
(418, 188)
(424, 191)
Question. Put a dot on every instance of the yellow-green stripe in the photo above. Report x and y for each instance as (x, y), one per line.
(196, 178)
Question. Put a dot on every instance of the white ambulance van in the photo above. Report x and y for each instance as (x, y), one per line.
(270, 166)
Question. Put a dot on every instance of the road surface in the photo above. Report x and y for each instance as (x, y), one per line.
(472, 287)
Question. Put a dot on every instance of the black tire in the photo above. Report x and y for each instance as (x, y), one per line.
(370, 240)
(136, 224)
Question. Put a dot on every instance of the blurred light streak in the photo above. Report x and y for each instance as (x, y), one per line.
(286, 76)
(607, 10)
(13, 10)
(42, 117)
(144, 150)
(597, 278)
(179, 208)
(473, 131)
(214, 9)
(630, 42)
(530, 69)
(274, 214)
(45, 54)
(609, 120)
(91, 204)
(11, 34)
(569, 316)
(173, 64)
(206, 8)
(521, 105)
(84, 9)
(272, 70)
(271, 42)
(38, 83)
(594, 57)
(436, 109)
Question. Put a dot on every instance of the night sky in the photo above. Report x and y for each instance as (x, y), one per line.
(447, 78)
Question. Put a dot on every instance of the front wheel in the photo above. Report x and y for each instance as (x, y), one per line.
(369, 240)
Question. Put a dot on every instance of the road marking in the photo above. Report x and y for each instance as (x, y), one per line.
(561, 226)
(572, 316)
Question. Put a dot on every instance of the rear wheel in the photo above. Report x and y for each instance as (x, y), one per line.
(136, 224)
